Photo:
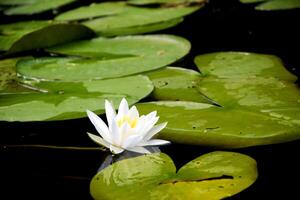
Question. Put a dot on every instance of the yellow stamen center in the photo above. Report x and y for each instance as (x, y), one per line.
(132, 122)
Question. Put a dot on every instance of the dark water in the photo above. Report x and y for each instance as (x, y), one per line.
(48, 173)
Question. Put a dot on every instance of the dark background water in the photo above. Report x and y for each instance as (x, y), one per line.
(47, 173)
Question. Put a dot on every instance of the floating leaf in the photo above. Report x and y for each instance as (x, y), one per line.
(260, 103)
(29, 35)
(37, 101)
(174, 83)
(212, 176)
(110, 18)
(103, 58)
(253, 81)
(29, 7)
(224, 127)
(269, 5)
(168, 2)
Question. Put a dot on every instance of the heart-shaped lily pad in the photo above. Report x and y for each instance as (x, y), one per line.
(259, 103)
(103, 58)
(29, 35)
(29, 7)
(39, 101)
(267, 5)
(174, 83)
(110, 18)
(212, 176)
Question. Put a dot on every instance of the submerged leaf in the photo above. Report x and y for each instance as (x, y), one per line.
(212, 176)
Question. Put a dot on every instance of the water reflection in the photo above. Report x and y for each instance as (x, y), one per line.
(111, 158)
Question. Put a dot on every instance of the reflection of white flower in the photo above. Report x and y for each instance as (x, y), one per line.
(126, 130)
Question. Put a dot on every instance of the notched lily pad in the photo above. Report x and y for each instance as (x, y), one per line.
(119, 18)
(103, 58)
(224, 127)
(174, 83)
(259, 103)
(29, 35)
(212, 176)
(40, 101)
(269, 5)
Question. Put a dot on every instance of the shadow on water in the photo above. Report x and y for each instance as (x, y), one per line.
(40, 172)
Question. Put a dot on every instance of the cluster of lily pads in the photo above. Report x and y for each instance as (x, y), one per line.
(92, 53)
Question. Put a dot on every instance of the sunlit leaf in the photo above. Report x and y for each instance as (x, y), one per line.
(29, 7)
(102, 58)
(259, 103)
(174, 83)
(269, 5)
(110, 18)
(29, 35)
(39, 101)
(212, 176)
(168, 2)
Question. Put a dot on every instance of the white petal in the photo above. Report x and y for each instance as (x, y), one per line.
(132, 141)
(149, 123)
(154, 142)
(115, 133)
(124, 131)
(154, 130)
(99, 125)
(110, 112)
(115, 150)
(152, 114)
(98, 140)
(123, 108)
(139, 150)
(133, 113)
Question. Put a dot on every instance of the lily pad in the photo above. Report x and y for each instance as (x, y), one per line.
(167, 2)
(29, 7)
(212, 176)
(110, 18)
(103, 58)
(269, 5)
(174, 83)
(259, 103)
(29, 35)
(223, 127)
(44, 101)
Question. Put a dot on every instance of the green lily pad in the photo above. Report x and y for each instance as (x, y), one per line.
(29, 35)
(174, 83)
(103, 58)
(248, 80)
(259, 103)
(168, 2)
(110, 18)
(44, 101)
(211, 176)
(29, 7)
(223, 127)
(269, 5)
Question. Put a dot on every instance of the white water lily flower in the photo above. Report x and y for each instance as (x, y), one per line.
(126, 130)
